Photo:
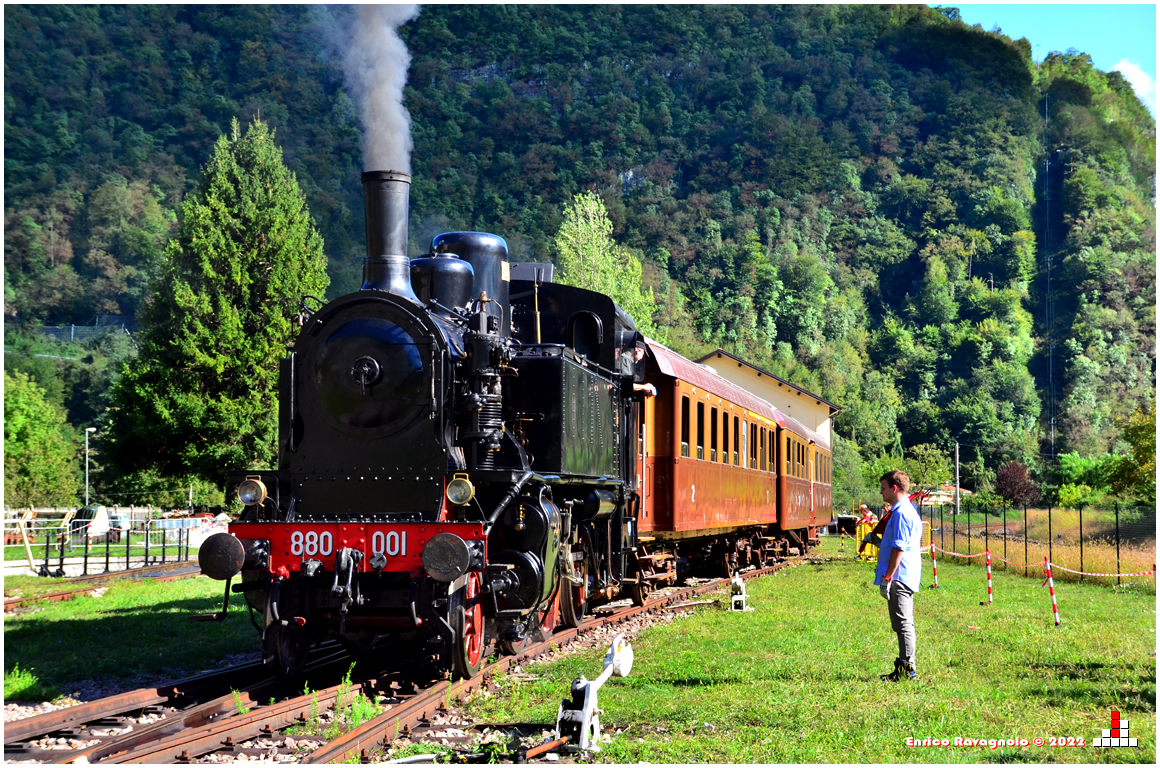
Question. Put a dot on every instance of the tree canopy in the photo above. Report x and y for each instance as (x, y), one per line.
(40, 448)
(589, 258)
(853, 197)
(201, 396)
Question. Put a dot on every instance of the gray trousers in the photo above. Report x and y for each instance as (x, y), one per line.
(902, 620)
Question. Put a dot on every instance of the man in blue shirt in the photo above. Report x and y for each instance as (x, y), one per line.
(899, 571)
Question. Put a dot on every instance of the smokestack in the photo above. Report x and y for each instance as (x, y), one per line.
(386, 199)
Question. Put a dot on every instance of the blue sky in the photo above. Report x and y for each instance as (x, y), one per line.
(1117, 37)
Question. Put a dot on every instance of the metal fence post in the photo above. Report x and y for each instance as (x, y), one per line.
(164, 537)
(987, 527)
(1004, 534)
(88, 542)
(955, 532)
(128, 541)
(108, 541)
(1081, 542)
(1117, 505)
(942, 531)
(1050, 539)
(47, 546)
(60, 537)
(145, 528)
(969, 553)
(1025, 540)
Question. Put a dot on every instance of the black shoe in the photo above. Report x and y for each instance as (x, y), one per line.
(901, 672)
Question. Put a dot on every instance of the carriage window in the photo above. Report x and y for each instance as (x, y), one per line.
(684, 426)
(700, 430)
(752, 445)
(772, 452)
(736, 439)
(761, 461)
(725, 437)
(713, 434)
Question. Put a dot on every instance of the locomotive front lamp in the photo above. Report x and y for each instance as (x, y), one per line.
(252, 491)
(460, 491)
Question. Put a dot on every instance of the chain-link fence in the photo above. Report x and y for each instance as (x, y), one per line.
(1105, 545)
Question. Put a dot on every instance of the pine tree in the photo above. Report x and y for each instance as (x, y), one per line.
(589, 258)
(201, 398)
(40, 451)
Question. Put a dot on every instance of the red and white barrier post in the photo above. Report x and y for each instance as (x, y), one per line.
(934, 566)
(1051, 586)
(990, 594)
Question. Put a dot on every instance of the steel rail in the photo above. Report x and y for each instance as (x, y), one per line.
(50, 722)
(402, 719)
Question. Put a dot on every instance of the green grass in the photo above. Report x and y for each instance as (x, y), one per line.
(135, 628)
(796, 680)
(24, 685)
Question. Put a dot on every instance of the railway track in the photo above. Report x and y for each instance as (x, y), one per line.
(216, 713)
(173, 572)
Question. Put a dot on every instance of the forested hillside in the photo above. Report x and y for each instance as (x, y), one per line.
(855, 197)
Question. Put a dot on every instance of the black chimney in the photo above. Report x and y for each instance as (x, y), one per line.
(386, 198)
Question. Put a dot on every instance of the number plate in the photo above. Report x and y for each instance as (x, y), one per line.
(402, 544)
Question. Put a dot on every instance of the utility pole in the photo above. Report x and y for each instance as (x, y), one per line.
(88, 431)
(956, 479)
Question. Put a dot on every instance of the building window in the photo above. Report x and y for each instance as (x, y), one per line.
(713, 434)
(684, 426)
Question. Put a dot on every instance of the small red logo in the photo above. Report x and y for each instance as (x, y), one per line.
(1117, 735)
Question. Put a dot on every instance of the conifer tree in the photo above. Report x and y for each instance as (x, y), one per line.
(589, 258)
(201, 397)
(40, 452)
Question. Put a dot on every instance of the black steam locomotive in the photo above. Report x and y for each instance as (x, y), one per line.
(456, 460)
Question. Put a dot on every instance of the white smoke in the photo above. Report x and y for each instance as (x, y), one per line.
(375, 63)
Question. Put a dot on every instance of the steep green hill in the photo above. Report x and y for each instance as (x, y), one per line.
(855, 197)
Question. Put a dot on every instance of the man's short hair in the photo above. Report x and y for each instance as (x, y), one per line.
(898, 479)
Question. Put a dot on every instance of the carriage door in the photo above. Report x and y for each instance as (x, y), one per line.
(646, 463)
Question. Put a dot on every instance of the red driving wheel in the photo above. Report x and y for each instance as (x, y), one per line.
(468, 623)
(552, 614)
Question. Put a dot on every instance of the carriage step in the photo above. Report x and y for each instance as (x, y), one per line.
(666, 576)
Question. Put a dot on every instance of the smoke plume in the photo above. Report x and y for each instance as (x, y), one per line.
(375, 64)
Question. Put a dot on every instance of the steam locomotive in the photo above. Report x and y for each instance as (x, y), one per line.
(463, 447)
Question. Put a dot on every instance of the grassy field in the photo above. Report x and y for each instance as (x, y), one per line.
(135, 628)
(796, 680)
(1136, 555)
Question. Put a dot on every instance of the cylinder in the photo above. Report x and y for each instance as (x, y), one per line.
(488, 256)
(386, 199)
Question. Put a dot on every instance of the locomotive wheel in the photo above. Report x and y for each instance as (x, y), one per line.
(727, 565)
(467, 622)
(543, 625)
(640, 592)
(284, 652)
(550, 618)
(574, 600)
(359, 643)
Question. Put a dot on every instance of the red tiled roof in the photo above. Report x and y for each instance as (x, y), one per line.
(672, 364)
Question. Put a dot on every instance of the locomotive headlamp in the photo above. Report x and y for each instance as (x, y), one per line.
(460, 490)
(252, 491)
